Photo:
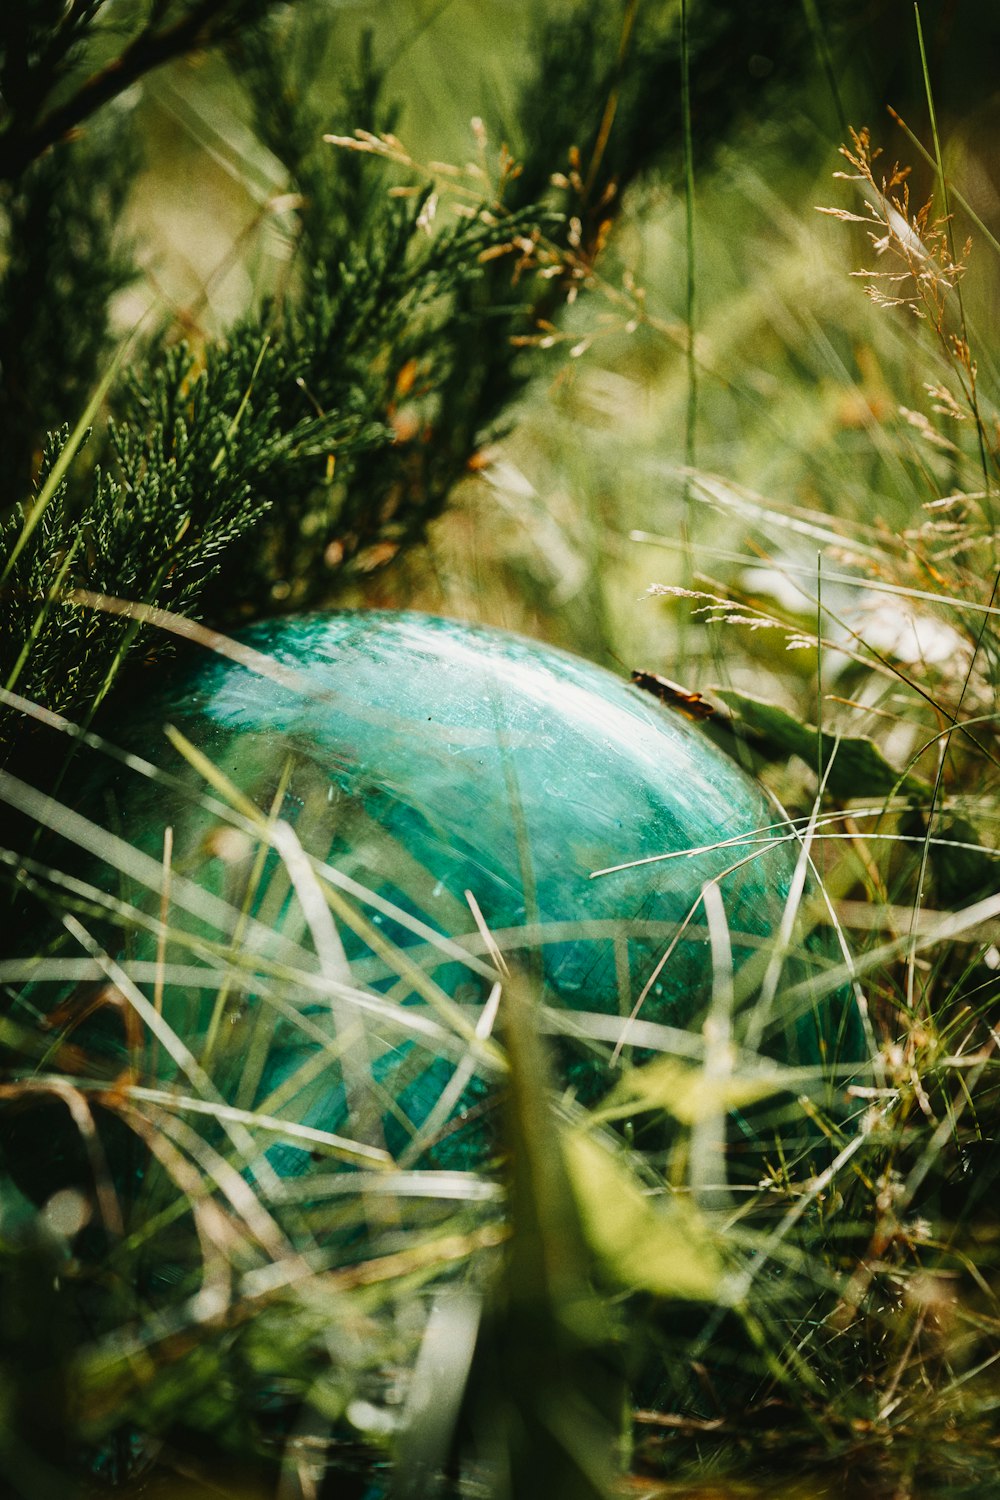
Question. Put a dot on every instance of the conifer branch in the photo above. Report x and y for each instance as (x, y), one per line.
(208, 24)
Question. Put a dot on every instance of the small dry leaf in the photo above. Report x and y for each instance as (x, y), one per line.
(376, 556)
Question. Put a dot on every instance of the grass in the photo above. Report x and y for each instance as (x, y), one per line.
(823, 1305)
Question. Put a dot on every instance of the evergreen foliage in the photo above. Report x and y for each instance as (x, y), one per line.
(63, 265)
(321, 434)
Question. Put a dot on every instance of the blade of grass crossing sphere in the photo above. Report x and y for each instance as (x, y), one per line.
(556, 1404)
(691, 365)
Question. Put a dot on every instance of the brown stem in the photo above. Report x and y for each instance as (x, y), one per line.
(150, 49)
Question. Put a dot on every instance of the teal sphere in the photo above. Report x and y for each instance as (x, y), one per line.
(372, 816)
(301, 875)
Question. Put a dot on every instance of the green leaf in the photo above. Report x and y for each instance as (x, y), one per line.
(662, 1248)
(858, 768)
(687, 1093)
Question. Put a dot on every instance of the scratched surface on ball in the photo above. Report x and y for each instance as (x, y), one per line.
(421, 760)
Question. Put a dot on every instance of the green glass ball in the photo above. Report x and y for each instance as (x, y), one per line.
(318, 862)
(372, 813)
